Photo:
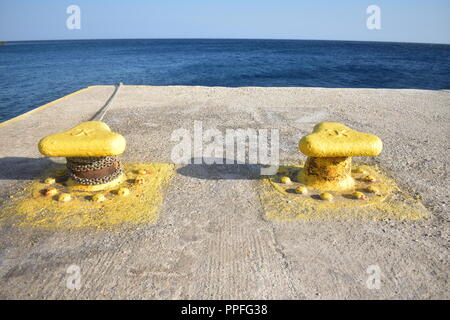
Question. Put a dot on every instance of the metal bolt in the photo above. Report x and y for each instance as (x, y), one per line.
(98, 197)
(372, 189)
(50, 192)
(358, 195)
(369, 179)
(50, 181)
(286, 180)
(123, 192)
(64, 197)
(301, 190)
(326, 196)
(139, 180)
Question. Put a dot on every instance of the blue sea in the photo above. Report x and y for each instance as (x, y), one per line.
(34, 73)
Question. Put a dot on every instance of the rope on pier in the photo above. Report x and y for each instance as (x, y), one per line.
(101, 113)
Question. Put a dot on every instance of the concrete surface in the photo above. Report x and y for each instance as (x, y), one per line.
(212, 241)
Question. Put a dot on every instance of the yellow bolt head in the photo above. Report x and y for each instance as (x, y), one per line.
(50, 192)
(373, 189)
(358, 195)
(64, 197)
(139, 180)
(50, 181)
(301, 190)
(286, 180)
(123, 192)
(369, 179)
(98, 197)
(326, 196)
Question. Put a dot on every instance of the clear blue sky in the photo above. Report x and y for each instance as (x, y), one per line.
(401, 20)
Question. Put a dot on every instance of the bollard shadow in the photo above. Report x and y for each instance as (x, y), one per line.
(21, 168)
(218, 169)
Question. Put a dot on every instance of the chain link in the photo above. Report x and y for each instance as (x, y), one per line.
(92, 163)
(89, 163)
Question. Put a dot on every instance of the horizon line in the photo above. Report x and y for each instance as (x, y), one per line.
(272, 39)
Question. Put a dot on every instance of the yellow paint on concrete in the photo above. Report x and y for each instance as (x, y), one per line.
(333, 139)
(26, 114)
(88, 139)
(282, 202)
(141, 206)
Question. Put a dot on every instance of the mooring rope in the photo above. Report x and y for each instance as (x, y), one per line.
(101, 113)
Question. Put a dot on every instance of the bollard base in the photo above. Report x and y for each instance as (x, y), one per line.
(328, 173)
(125, 204)
(377, 198)
(75, 186)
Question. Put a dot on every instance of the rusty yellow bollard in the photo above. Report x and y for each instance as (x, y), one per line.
(329, 149)
(91, 150)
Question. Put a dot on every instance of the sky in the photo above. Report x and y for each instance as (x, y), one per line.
(400, 20)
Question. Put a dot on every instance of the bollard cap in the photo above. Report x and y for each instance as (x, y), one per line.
(88, 139)
(333, 139)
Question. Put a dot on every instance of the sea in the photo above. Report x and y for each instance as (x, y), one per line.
(33, 73)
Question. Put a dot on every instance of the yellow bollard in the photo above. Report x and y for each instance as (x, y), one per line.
(329, 149)
(91, 149)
